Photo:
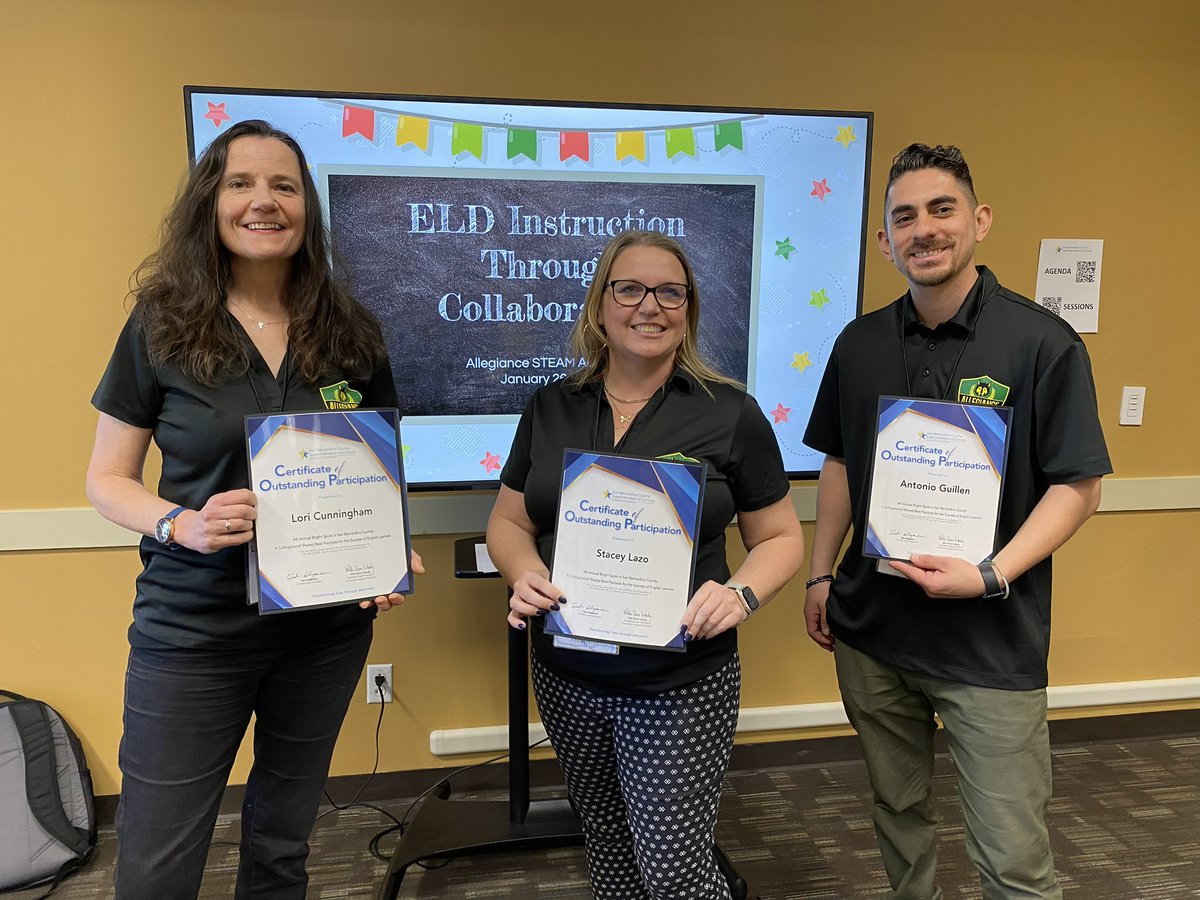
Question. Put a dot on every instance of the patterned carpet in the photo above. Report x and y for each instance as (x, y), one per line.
(1125, 825)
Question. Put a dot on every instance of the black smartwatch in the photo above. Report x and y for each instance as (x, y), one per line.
(749, 601)
(165, 529)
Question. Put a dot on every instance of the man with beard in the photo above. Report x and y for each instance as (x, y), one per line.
(965, 642)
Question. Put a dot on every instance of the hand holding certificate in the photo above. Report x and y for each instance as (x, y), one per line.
(624, 550)
(332, 521)
(936, 479)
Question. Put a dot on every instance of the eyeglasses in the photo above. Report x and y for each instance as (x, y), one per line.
(632, 293)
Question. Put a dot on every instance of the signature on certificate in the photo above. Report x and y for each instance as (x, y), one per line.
(306, 577)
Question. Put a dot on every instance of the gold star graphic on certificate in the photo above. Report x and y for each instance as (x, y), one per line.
(784, 248)
(846, 136)
(819, 299)
(800, 361)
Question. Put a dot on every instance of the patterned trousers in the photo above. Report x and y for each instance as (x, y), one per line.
(644, 774)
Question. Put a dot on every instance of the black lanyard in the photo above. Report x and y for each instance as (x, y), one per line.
(600, 407)
(287, 371)
(957, 359)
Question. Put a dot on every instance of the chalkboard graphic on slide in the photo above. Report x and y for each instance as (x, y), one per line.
(478, 281)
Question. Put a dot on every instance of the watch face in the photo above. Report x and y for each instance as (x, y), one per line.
(748, 596)
(162, 531)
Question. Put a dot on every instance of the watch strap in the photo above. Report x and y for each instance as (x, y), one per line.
(749, 601)
(169, 518)
(992, 588)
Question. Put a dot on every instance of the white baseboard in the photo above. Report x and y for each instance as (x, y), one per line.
(493, 738)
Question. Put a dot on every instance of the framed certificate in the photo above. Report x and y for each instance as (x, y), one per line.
(332, 522)
(625, 547)
(936, 479)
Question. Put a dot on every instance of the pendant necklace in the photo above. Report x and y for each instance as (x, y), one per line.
(615, 400)
(259, 322)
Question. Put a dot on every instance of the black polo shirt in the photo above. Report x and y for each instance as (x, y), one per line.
(1000, 349)
(726, 430)
(190, 599)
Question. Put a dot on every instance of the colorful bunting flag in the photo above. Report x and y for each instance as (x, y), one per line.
(412, 130)
(467, 138)
(522, 141)
(681, 140)
(631, 143)
(356, 120)
(728, 134)
(573, 143)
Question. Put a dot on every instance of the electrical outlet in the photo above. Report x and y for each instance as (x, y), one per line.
(373, 673)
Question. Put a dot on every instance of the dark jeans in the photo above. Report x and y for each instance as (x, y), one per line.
(186, 712)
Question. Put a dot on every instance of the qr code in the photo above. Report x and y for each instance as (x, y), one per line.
(1085, 271)
(1054, 304)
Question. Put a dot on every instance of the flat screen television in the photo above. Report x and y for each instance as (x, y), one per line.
(472, 228)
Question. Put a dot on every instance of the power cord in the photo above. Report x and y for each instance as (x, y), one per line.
(380, 682)
(443, 782)
(441, 786)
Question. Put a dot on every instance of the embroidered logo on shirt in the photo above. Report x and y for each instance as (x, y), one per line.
(982, 390)
(341, 396)
(677, 457)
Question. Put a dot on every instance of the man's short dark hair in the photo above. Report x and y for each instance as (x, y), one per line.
(915, 157)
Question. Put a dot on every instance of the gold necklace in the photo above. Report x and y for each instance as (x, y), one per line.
(257, 321)
(615, 400)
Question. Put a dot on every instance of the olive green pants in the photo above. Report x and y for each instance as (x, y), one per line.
(1001, 750)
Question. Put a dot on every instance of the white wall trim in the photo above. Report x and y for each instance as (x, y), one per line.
(493, 738)
(466, 513)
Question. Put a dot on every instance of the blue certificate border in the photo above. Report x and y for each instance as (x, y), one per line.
(990, 423)
(379, 431)
(682, 484)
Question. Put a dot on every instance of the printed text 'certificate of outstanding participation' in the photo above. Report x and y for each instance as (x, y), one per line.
(936, 479)
(625, 549)
(332, 522)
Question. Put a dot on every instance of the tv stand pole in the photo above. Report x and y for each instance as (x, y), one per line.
(445, 828)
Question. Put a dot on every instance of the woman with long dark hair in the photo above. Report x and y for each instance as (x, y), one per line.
(643, 736)
(237, 312)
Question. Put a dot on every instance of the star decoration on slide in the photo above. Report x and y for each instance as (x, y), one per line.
(216, 113)
(490, 462)
(784, 248)
(819, 299)
(404, 448)
(780, 413)
(820, 189)
(846, 136)
(800, 361)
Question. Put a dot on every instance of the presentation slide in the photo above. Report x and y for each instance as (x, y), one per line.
(472, 229)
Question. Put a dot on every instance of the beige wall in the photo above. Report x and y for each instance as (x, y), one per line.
(1076, 124)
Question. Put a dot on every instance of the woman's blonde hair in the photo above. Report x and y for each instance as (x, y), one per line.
(588, 339)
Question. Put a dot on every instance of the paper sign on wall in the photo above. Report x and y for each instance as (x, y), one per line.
(1068, 281)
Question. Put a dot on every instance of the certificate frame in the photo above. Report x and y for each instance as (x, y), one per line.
(937, 479)
(332, 522)
(625, 547)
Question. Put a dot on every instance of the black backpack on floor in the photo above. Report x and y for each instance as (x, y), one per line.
(47, 810)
